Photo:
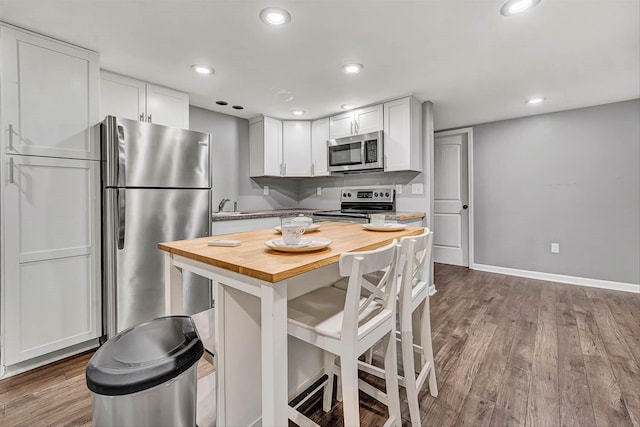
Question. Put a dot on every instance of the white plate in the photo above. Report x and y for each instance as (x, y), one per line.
(389, 226)
(312, 227)
(305, 245)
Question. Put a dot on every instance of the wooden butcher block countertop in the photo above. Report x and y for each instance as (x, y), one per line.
(252, 258)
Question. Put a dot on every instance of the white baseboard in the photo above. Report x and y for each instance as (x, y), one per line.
(551, 277)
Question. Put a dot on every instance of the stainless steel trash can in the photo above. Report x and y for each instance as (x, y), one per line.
(147, 375)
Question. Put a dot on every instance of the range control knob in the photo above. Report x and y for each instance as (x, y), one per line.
(375, 194)
(344, 194)
(349, 194)
(386, 194)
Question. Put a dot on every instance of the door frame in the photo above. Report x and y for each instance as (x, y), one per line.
(468, 131)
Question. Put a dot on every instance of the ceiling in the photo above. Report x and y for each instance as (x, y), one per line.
(474, 64)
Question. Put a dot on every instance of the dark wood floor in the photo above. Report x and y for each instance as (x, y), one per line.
(509, 351)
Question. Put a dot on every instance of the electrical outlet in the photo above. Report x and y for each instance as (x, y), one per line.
(398, 188)
(417, 188)
(265, 190)
(555, 248)
(318, 191)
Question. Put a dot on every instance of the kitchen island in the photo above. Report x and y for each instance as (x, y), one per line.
(251, 287)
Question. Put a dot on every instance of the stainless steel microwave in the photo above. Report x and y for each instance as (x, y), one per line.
(358, 153)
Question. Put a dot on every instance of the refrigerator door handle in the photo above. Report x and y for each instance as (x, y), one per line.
(122, 165)
(121, 209)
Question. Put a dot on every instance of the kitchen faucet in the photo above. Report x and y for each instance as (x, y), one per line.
(222, 203)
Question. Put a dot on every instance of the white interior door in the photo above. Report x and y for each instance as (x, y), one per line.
(451, 199)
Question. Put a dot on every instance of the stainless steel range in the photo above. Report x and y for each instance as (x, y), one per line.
(356, 203)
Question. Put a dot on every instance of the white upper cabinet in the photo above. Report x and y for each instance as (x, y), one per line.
(49, 96)
(341, 125)
(403, 135)
(368, 119)
(122, 96)
(167, 107)
(265, 147)
(296, 148)
(362, 120)
(319, 137)
(137, 100)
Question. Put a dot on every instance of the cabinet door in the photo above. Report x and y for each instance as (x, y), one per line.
(319, 137)
(296, 148)
(341, 125)
(368, 119)
(242, 225)
(402, 135)
(272, 147)
(49, 97)
(122, 96)
(167, 107)
(51, 255)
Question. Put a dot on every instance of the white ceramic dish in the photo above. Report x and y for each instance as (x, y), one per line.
(390, 226)
(305, 245)
(312, 227)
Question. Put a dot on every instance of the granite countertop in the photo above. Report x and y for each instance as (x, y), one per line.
(230, 216)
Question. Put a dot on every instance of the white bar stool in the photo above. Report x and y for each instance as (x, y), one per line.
(346, 324)
(413, 293)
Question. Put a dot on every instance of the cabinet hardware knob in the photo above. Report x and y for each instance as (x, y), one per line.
(465, 206)
(142, 117)
(149, 118)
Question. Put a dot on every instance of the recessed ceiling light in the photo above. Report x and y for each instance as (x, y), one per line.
(347, 106)
(275, 16)
(352, 68)
(297, 112)
(513, 7)
(222, 103)
(534, 100)
(202, 69)
(238, 107)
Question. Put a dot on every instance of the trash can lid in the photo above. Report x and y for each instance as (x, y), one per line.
(144, 356)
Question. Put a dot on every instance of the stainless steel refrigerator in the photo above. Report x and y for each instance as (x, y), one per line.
(156, 188)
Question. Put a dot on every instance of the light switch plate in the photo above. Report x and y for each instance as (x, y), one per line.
(417, 188)
(318, 191)
(265, 190)
(398, 188)
(555, 248)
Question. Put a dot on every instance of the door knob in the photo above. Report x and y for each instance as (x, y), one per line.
(465, 206)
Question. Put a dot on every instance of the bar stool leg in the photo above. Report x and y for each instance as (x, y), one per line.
(409, 367)
(328, 387)
(391, 377)
(349, 377)
(427, 347)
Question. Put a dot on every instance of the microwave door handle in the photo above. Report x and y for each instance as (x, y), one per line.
(363, 152)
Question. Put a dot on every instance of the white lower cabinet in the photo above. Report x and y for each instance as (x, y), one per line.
(51, 250)
(241, 225)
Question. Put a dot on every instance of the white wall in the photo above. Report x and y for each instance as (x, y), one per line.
(572, 178)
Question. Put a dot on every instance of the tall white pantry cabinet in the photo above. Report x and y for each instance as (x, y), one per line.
(50, 293)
